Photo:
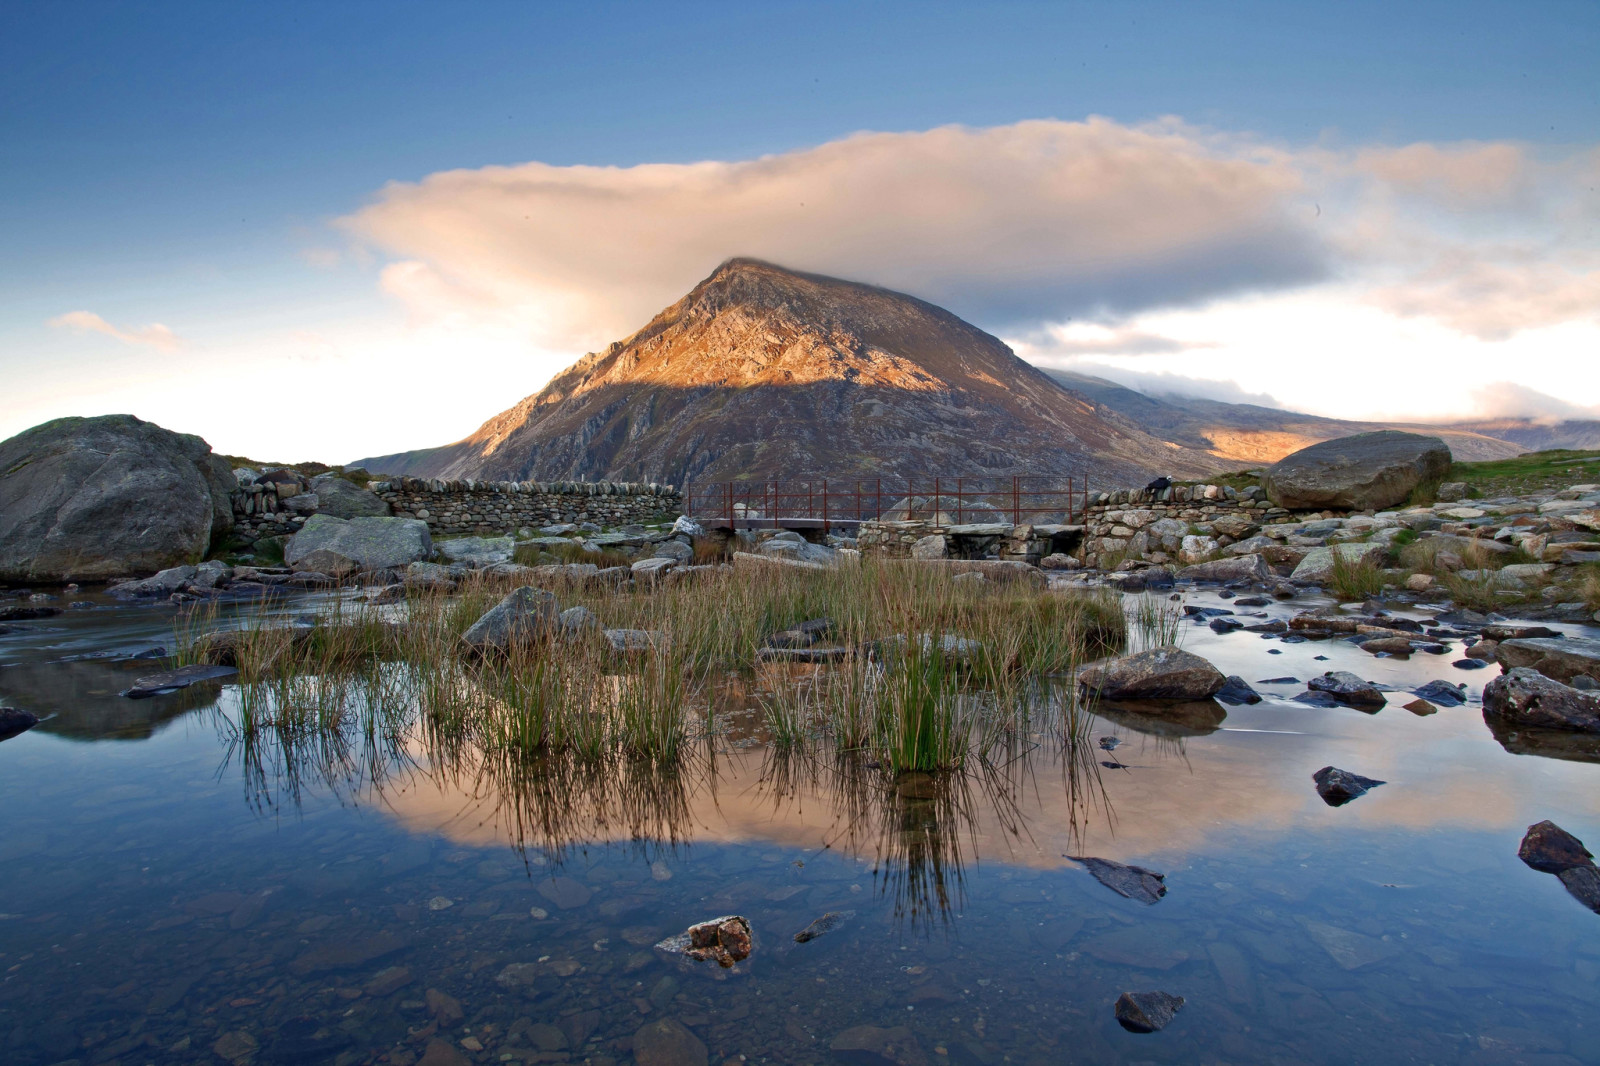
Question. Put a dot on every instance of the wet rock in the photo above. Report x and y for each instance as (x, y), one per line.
(1387, 646)
(14, 722)
(1338, 787)
(724, 941)
(1583, 884)
(1251, 568)
(27, 614)
(1443, 692)
(388, 981)
(825, 924)
(1147, 1012)
(1421, 708)
(667, 1042)
(173, 680)
(1484, 650)
(1167, 673)
(443, 1007)
(868, 1045)
(1550, 849)
(564, 892)
(1514, 631)
(349, 955)
(1132, 882)
(1349, 689)
(1558, 658)
(526, 614)
(1363, 472)
(1237, 691)
(1525, 698)
(341, 547)
(1225, 625)
(1469, 664)
(236, 1046)
(1350, 950)
(305, 1039)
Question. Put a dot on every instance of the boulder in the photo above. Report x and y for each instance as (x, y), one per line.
(1167, 673)
(161, 584)
(341, 547)
(934, 546)
(1549, 848)
(525, 614)
(429, 577)
(1527, 699)
(1365, 472)
(635, 641)
(1147, 1012)
(1060, 561)
(477, 551)
(1250, 568)
(1194, 548)
(794, 548)
(578, 621)
(676, 550)
(1349, 689)
(85, 499)
(1317, 566)
(1559, 658)
(1338, 787)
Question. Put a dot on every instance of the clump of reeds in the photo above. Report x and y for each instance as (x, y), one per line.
(1154, 622)
(1354, 578)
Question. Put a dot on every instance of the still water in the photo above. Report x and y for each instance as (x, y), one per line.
(169, 897)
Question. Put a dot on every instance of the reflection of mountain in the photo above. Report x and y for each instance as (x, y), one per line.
(83, 697)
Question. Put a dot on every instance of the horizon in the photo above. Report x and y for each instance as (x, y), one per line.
(1343, 214)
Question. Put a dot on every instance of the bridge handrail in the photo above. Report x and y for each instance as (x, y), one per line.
(1018, 499)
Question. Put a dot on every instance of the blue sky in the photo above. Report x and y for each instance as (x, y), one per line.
(189, 165)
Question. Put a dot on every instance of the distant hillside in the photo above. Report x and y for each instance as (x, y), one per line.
(762, 372)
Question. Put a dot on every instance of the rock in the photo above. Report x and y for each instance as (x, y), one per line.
(1317, 567)
(667, 1042)
(1058, 561)
(791, 547)
(1583, 884)
(1167, 673)
(1364, 472)
(1516, 631)
(1251, 568)
(445, 1008)
(825, 924)
(1451, 491)
(725, 941)
(85, 499)
(676, 550)
(1419, 582)
(1549, 848)
(934, 546)
(525, 615)
(1338, 787)
(1528, 699)
(564, 892)
(1349, 950)
(1133, 882)
(1421, 708)
(1195, 549)
(1236, 691)
(173, 680)
(348, 955)
(388, 981)
(868, 1045)
(443, 1053)
(635, 641)
(1443, 692)
(14, 722)
(1558, 658)
(477, 551)
(1349, 689)
(688, 527)
(345, 499)
(649, 569)
(577, 621)
(429, 577)
(1147, 1012)
(236, 1046)
(342, 547)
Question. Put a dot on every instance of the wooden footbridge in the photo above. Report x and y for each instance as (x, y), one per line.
(828, 503)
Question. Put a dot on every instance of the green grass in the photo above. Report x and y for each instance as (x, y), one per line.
(1532, 472)
(1355, 579)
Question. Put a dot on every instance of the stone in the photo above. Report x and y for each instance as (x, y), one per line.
(388, 981)
(1147, 1012)
(794, 548)
(14, 722)
(1166, 673)
(1350, 950)
(1132, 882)
(725, 941)
(236, 1046)
(577, 621)
(1195, 548)
(342, 498)
(1527, 699)
(1364, 472)
(445, 1008)
(1558, 658)
(649, 569)
(173, 680)
(825, 924)
(1317, 567)
(676, 550)
(343, 547)
(526, 614)
(1451, 491)
(1349, 689)
(635, 641)
(688, 527)
(1549, 848)
(1443, 692)
(1583, 884)
(1249, 568)
(1338, 787)
(1058, 561)
(564, 892)
(348, 955)
(1421, 708)
(1236, 691)
(429, 577)
(86, 499)
(477, 551)
(869, 1045)
(934, 546)
(161, 584)
(443, 1053)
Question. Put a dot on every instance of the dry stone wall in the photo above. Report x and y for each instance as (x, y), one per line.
(479, 507)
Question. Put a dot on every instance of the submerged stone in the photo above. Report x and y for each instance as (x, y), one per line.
(1133, 882)
(1147, 1012)
(172, 680)
(825, 924)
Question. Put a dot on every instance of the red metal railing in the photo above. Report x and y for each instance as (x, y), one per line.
(1033, 499)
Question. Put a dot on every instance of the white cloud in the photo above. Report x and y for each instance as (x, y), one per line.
(155, 335)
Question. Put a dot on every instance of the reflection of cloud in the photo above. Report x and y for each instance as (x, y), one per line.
(154, 335)
(1025, 222)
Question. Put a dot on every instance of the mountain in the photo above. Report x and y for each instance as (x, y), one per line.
(1538, 436)
(1242, 435)
(762, 372)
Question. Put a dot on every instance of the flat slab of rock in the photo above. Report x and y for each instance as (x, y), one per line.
(1317, 568)
(1527, 699)
(1250, 568)
(341, 547)
(1132, 882)
(668, 1042)
(825, 924)
(1338, 787)
(1367, 471)
(173, 680)
(1349, 689)
(1550, 849)
(1561, 658)
(1167, 673)
(1147, 1012)
(345, 499)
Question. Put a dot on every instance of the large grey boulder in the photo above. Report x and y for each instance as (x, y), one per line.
(1527, 699)
(1366, 472)
(346, 499)
(478, 551)
(85, 499)
(1167, 673)
(1239, 568)
(525, 614)
(341, 547)
(1559, 658)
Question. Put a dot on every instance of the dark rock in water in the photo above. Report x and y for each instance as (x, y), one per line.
(1205, 612)
(1312, 698)
(1363, 472)
(1443, 692)
(172, 680)
(1279, 681)
(1134, 882)
(1549, 848)
(27, 614)
(825, 924)
(1109, 765)
(724, 941)
(1516, 632)
(1252, 601)
(1225, 625)
(1525, 698)
(1109, 743)
(1349, 689)
(1338, 787)
(1583, 884)
(1294, 638)
(14, 722)
(304, 1039)
(868, 1045)
(1237, 692)
(1147, 1012)
(1277, 625)
(1167, 673)
(1421, 708)
(1469, 664)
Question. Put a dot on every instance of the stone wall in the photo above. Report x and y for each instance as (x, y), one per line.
(930, 539)
(481, 507)
(1181, 524)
